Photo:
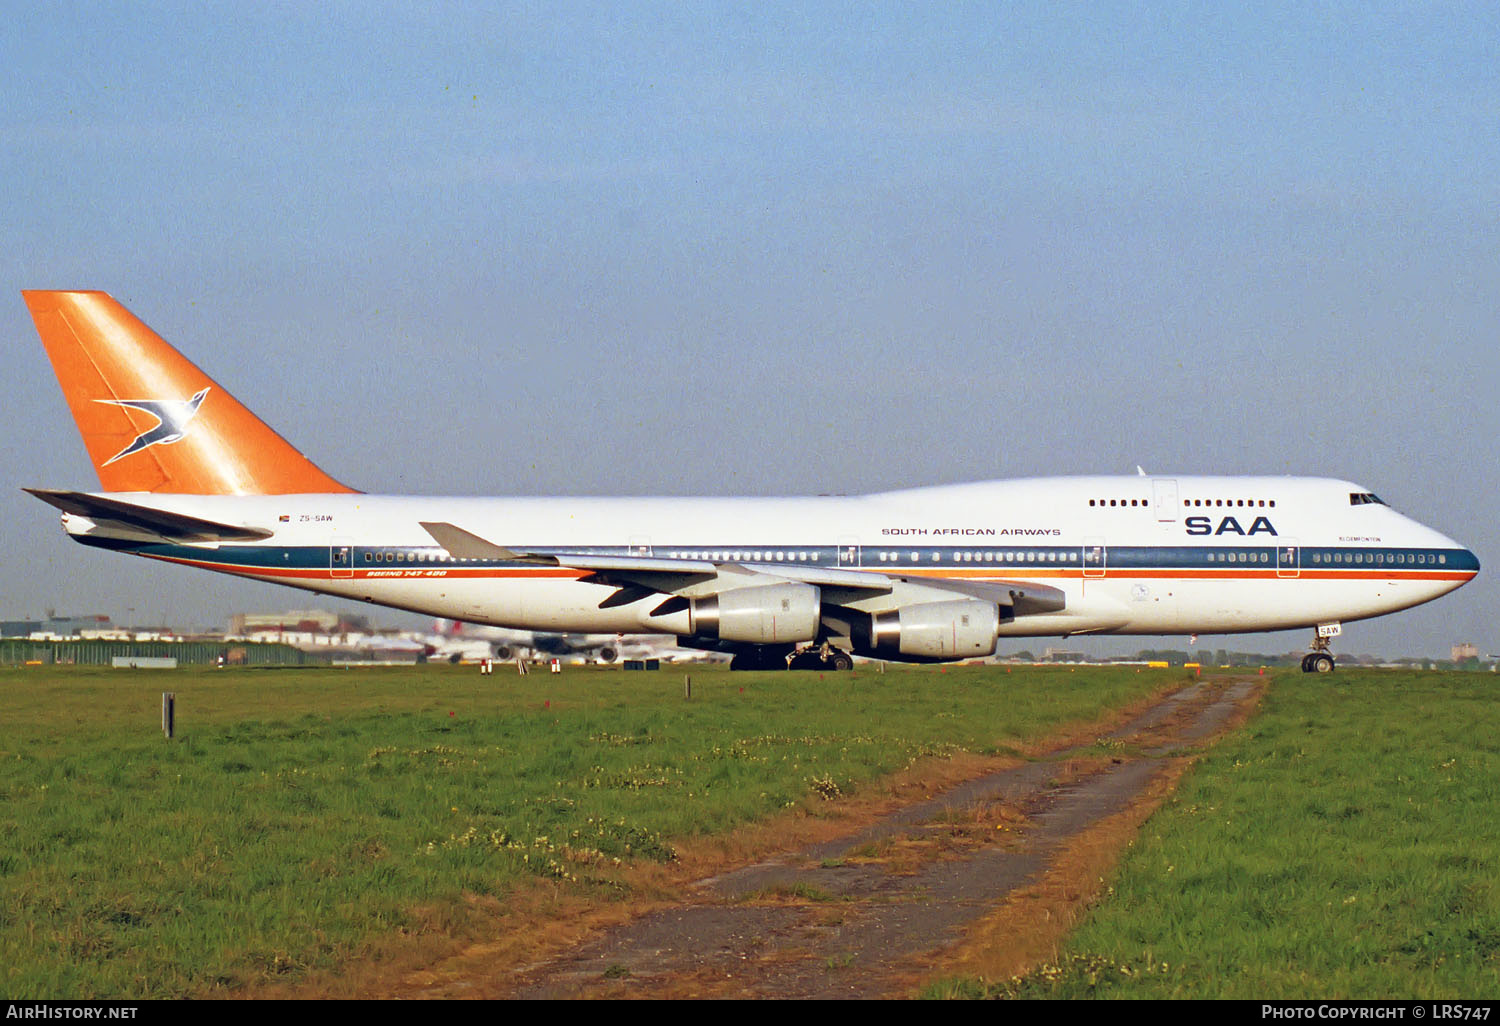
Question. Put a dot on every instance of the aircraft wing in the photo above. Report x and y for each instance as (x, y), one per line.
(639, 576)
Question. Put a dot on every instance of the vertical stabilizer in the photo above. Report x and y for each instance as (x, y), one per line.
(150, 419)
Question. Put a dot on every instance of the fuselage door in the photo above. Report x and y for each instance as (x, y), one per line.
(849, 552)
(1288, 558)
(1166, 499)
(1095, 556)
(340, 560)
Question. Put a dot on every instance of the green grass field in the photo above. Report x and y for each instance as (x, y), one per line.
(301, 815)
(1345, 845)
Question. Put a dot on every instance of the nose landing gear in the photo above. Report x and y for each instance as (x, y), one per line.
(1320, 659)
(1318, 662)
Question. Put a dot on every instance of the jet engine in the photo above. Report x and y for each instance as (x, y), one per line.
(764, 615)
(961, 629)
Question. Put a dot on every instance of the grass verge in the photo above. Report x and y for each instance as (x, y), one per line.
(302, 819)
(1341, 847)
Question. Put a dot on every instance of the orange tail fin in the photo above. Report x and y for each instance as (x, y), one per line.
(153, 422)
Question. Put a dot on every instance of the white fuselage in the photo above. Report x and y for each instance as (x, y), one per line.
(1131, 555)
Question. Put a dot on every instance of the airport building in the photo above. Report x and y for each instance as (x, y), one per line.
(55, 626)
(298, 621)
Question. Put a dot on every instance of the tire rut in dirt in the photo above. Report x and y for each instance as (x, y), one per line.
(846, 918)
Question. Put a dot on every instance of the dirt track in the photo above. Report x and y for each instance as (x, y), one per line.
(986, 877)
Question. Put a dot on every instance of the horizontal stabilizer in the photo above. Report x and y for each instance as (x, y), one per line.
(172, 526)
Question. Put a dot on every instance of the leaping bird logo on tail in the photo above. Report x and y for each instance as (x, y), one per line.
(172, 418)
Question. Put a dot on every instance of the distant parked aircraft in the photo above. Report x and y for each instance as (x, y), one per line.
(468, 640)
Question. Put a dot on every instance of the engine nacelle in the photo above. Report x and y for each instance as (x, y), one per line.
(961, 629)
(764, 615)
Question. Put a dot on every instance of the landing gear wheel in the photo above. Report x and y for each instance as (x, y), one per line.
(806, 661)
(823, 657)
(1320, 662)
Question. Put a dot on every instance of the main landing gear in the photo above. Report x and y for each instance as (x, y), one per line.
(1320, 659)
(825, 657)
(822, 657)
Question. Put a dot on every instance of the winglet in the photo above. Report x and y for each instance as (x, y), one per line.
(150, 419)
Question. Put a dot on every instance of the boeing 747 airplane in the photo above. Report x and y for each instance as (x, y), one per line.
(188, 475)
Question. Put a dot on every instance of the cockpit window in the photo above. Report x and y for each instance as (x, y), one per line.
(1364, 499)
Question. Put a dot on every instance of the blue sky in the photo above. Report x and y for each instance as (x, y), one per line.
(717, 249)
